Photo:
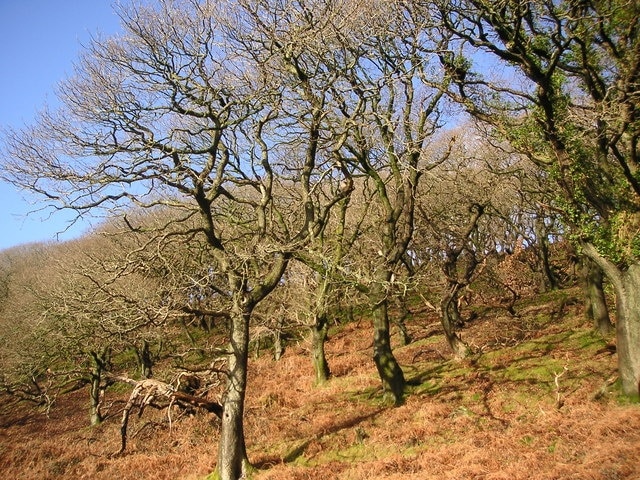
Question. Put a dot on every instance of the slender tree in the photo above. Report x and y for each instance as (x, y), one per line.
(387, 147)
(300, 42)
(460, 221)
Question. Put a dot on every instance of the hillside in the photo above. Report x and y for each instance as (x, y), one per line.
(538, 402)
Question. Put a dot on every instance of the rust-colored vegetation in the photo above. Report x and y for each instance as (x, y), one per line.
(538, 401)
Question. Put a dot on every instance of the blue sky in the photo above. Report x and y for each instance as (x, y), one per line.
(39, 41)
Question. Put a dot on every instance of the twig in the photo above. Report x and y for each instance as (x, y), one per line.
(559, 400)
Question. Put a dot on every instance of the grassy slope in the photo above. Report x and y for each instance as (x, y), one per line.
(531, 405)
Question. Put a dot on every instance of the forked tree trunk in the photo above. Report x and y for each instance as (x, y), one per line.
(318, 340)
(626, 284)
(391, 374)
(596, 309)
(233, 462)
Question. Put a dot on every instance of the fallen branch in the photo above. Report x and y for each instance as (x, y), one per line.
(212, 407)
(150, 392)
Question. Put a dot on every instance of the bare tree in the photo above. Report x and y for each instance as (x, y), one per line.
(387, 149)
(296, 41)
(93, 309)
(172, 114)
(461, 205)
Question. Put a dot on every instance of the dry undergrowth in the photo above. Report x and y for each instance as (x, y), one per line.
(531, 406)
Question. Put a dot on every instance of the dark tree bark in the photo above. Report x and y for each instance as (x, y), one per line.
(449, 318)
(596, 309)
(549, 280)
(145, 359)
(320, 314)
(401, 319)
(391, 374)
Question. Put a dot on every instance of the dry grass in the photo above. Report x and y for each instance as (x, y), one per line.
(493, 417)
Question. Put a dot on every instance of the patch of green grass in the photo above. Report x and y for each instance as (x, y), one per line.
(296, 453)
(432, 379)
(422, 342)
(528, 440)
(532, 365)
(551, 296)
(586, 339)
(126, 360)
(429, 387)
(475, 397)
(119, 387)
(522, 400)
(357, 452)
(620, 397)
(541, 373)
(371, 396)
(481, 310)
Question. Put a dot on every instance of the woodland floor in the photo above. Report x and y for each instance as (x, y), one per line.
(531, 405)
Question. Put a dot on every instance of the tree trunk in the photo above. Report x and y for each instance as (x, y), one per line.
(596, 309)
(453, 312)
(232, 454)
(278, 344)
(145, 360)
(318, 339)
(389, 370)
(279, 339)
(100, 361)
(626, 284)
(628, 330)
(459, 348)
(549, 280)
(403, 314)
(319, 329)
(95, 394)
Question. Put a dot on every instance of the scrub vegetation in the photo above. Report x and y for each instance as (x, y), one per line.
(539, 400)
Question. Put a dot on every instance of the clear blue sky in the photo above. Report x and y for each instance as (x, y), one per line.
(39, 41)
